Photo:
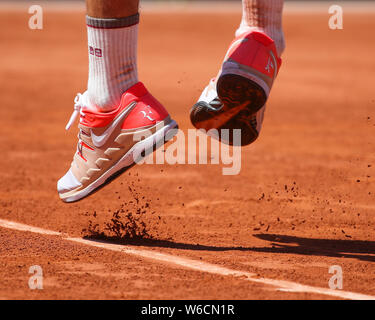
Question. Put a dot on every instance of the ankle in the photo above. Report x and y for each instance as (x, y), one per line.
(264, 16)
(112, 60)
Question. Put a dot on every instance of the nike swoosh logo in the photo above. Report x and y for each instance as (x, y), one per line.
(100, 140)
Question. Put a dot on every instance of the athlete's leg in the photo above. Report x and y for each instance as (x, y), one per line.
(236, 98)
(112, 29)
(119, 119)
(111, 8)
(264, 16)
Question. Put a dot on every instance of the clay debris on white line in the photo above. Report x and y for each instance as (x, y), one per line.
(200, 266)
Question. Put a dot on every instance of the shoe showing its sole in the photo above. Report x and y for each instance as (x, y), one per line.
(238, 97)
(133, 156)
(239, 100)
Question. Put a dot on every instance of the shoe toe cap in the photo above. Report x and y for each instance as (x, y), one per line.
(67, 183)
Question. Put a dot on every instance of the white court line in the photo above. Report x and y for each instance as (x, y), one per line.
(23, 227)
(280, 285)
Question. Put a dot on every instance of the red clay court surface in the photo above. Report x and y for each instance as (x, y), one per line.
(303, 202)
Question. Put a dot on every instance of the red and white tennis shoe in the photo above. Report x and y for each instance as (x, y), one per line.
(236, 98)
(109, 142)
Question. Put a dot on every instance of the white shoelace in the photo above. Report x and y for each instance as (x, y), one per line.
(80, 101)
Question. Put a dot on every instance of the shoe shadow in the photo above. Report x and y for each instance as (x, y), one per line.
(155, 243)
(355, 249)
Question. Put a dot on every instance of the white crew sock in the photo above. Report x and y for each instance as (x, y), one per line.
(112, 45)
(264, 16)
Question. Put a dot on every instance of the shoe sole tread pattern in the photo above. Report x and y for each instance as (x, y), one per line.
(241, 98)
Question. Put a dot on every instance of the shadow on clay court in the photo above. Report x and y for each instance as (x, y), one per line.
(155, 243)
(357, 249)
